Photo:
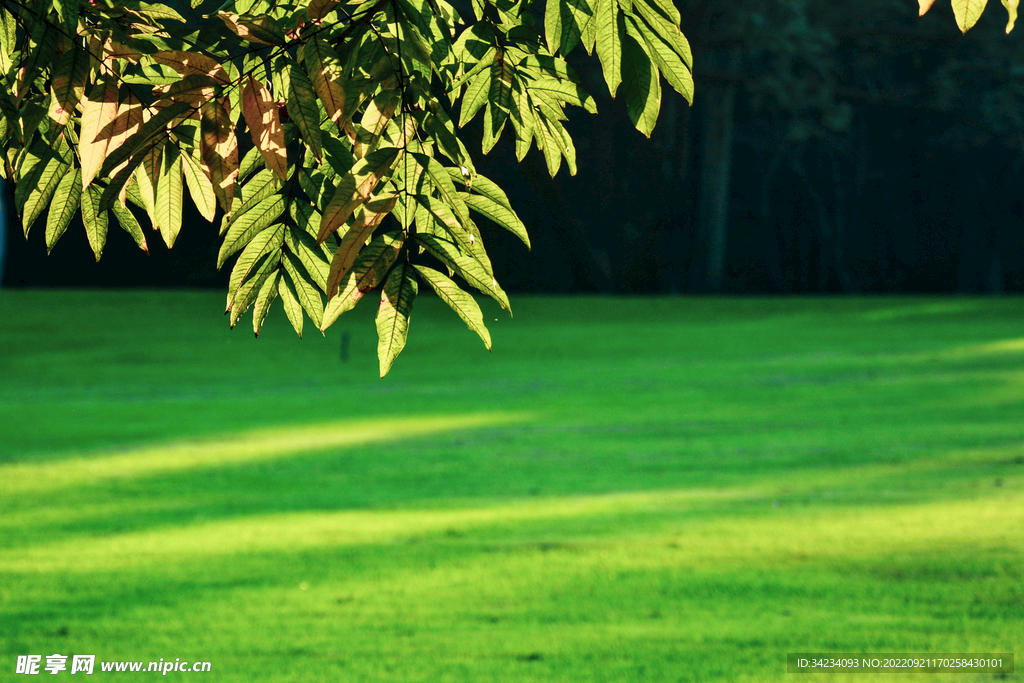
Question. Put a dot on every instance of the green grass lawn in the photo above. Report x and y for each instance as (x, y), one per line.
(624, 490)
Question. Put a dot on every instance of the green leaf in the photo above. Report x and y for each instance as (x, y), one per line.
(11, 114)
(63, 206)
(967, 12)
(313, 259)
(369, 270)
(498, 214)
(199, 186)
(475, 97)
(522, 119)
(261, 217)
(308, 295)
(553, 25)
(466, 267)
(479, 67)
(109, 197)
(150, 129)
(292, 307)
(262, 245)
(564, 91)
(355, 187)
(458, 300)
(153, 11)
(666, 8)
(266, 296)
(588, 36)
(641, 84)
(68, 10)
(37, 54)
(499, 102)
(443, 182)
(393, 315)
(95, 220)
(325, 74)
(441, 221)
(549, 143)
(564, 21)
(126, 219)
(40, 186)
(247, 293)
(262, 29)
(668, 61)
(302, 109)
(70, 74)
(667, 30)
(169, 195)
(8, 40)
(261, 186)
(611, 32)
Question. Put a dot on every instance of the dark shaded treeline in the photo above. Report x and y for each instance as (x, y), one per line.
(851, 148)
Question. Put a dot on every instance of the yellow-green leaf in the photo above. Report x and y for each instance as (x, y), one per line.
(393, 315)
(967, 12)
(354, 188)
(251, 224)
(641, 84)
(199, 186)
(261, 29)
(169, 195)
(458, 300)
(292, 307)
(95, 220)
(266, 296)
(307, 294)
(1011, 10)
(70, 74)
(126, 219)
(39, 187)
(354, 240)
(610, 34)
(466, 267)
(368, 271)
(63, 206)
(189, 63)
(303, 110)
(325, 72)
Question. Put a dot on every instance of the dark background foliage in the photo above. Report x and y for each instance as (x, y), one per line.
(832, 147)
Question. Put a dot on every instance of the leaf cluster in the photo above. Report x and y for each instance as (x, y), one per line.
(967, 12)
(322, 137)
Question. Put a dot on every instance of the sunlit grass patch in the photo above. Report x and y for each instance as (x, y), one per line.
(245, 447)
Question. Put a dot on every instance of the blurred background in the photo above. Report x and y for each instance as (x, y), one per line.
(832, 147)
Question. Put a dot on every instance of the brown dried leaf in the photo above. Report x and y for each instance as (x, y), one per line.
(99, 111)
(355, 239)
(354, 188)
(263, 117)
(219, 148)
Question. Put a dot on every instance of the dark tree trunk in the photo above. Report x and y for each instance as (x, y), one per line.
(718, 103)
